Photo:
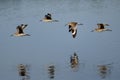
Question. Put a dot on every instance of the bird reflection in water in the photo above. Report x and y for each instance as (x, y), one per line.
(51, 71)
(24, 71)
(104, 70)
(74, 61)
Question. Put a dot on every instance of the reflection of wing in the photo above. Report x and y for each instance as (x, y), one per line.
(22, 73)
(51, 71)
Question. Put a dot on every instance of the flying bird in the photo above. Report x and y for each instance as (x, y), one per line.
(20, 31)
(101, 28)
(72, 26)
(48, 18)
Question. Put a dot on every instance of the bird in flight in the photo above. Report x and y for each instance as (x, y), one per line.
(72, 26)
(48, 18)
(101, 28)
(20, 31)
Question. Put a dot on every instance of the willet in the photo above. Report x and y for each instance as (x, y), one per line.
(20, 31)
(101, 28)
(73, 28)
(48, 18)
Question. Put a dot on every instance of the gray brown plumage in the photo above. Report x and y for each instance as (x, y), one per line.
(48, 18)
(20, 31)
(101, 28)
(73, 28)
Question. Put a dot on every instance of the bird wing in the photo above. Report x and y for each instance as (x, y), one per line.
(74, 32)
(24, 26)
(73, 23)
(101, 26)
(48, 17)
(69, 26)
(19, 29)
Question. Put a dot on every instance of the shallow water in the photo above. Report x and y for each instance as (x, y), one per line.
(51, 43)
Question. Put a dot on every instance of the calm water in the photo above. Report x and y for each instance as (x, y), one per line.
(51, 43)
